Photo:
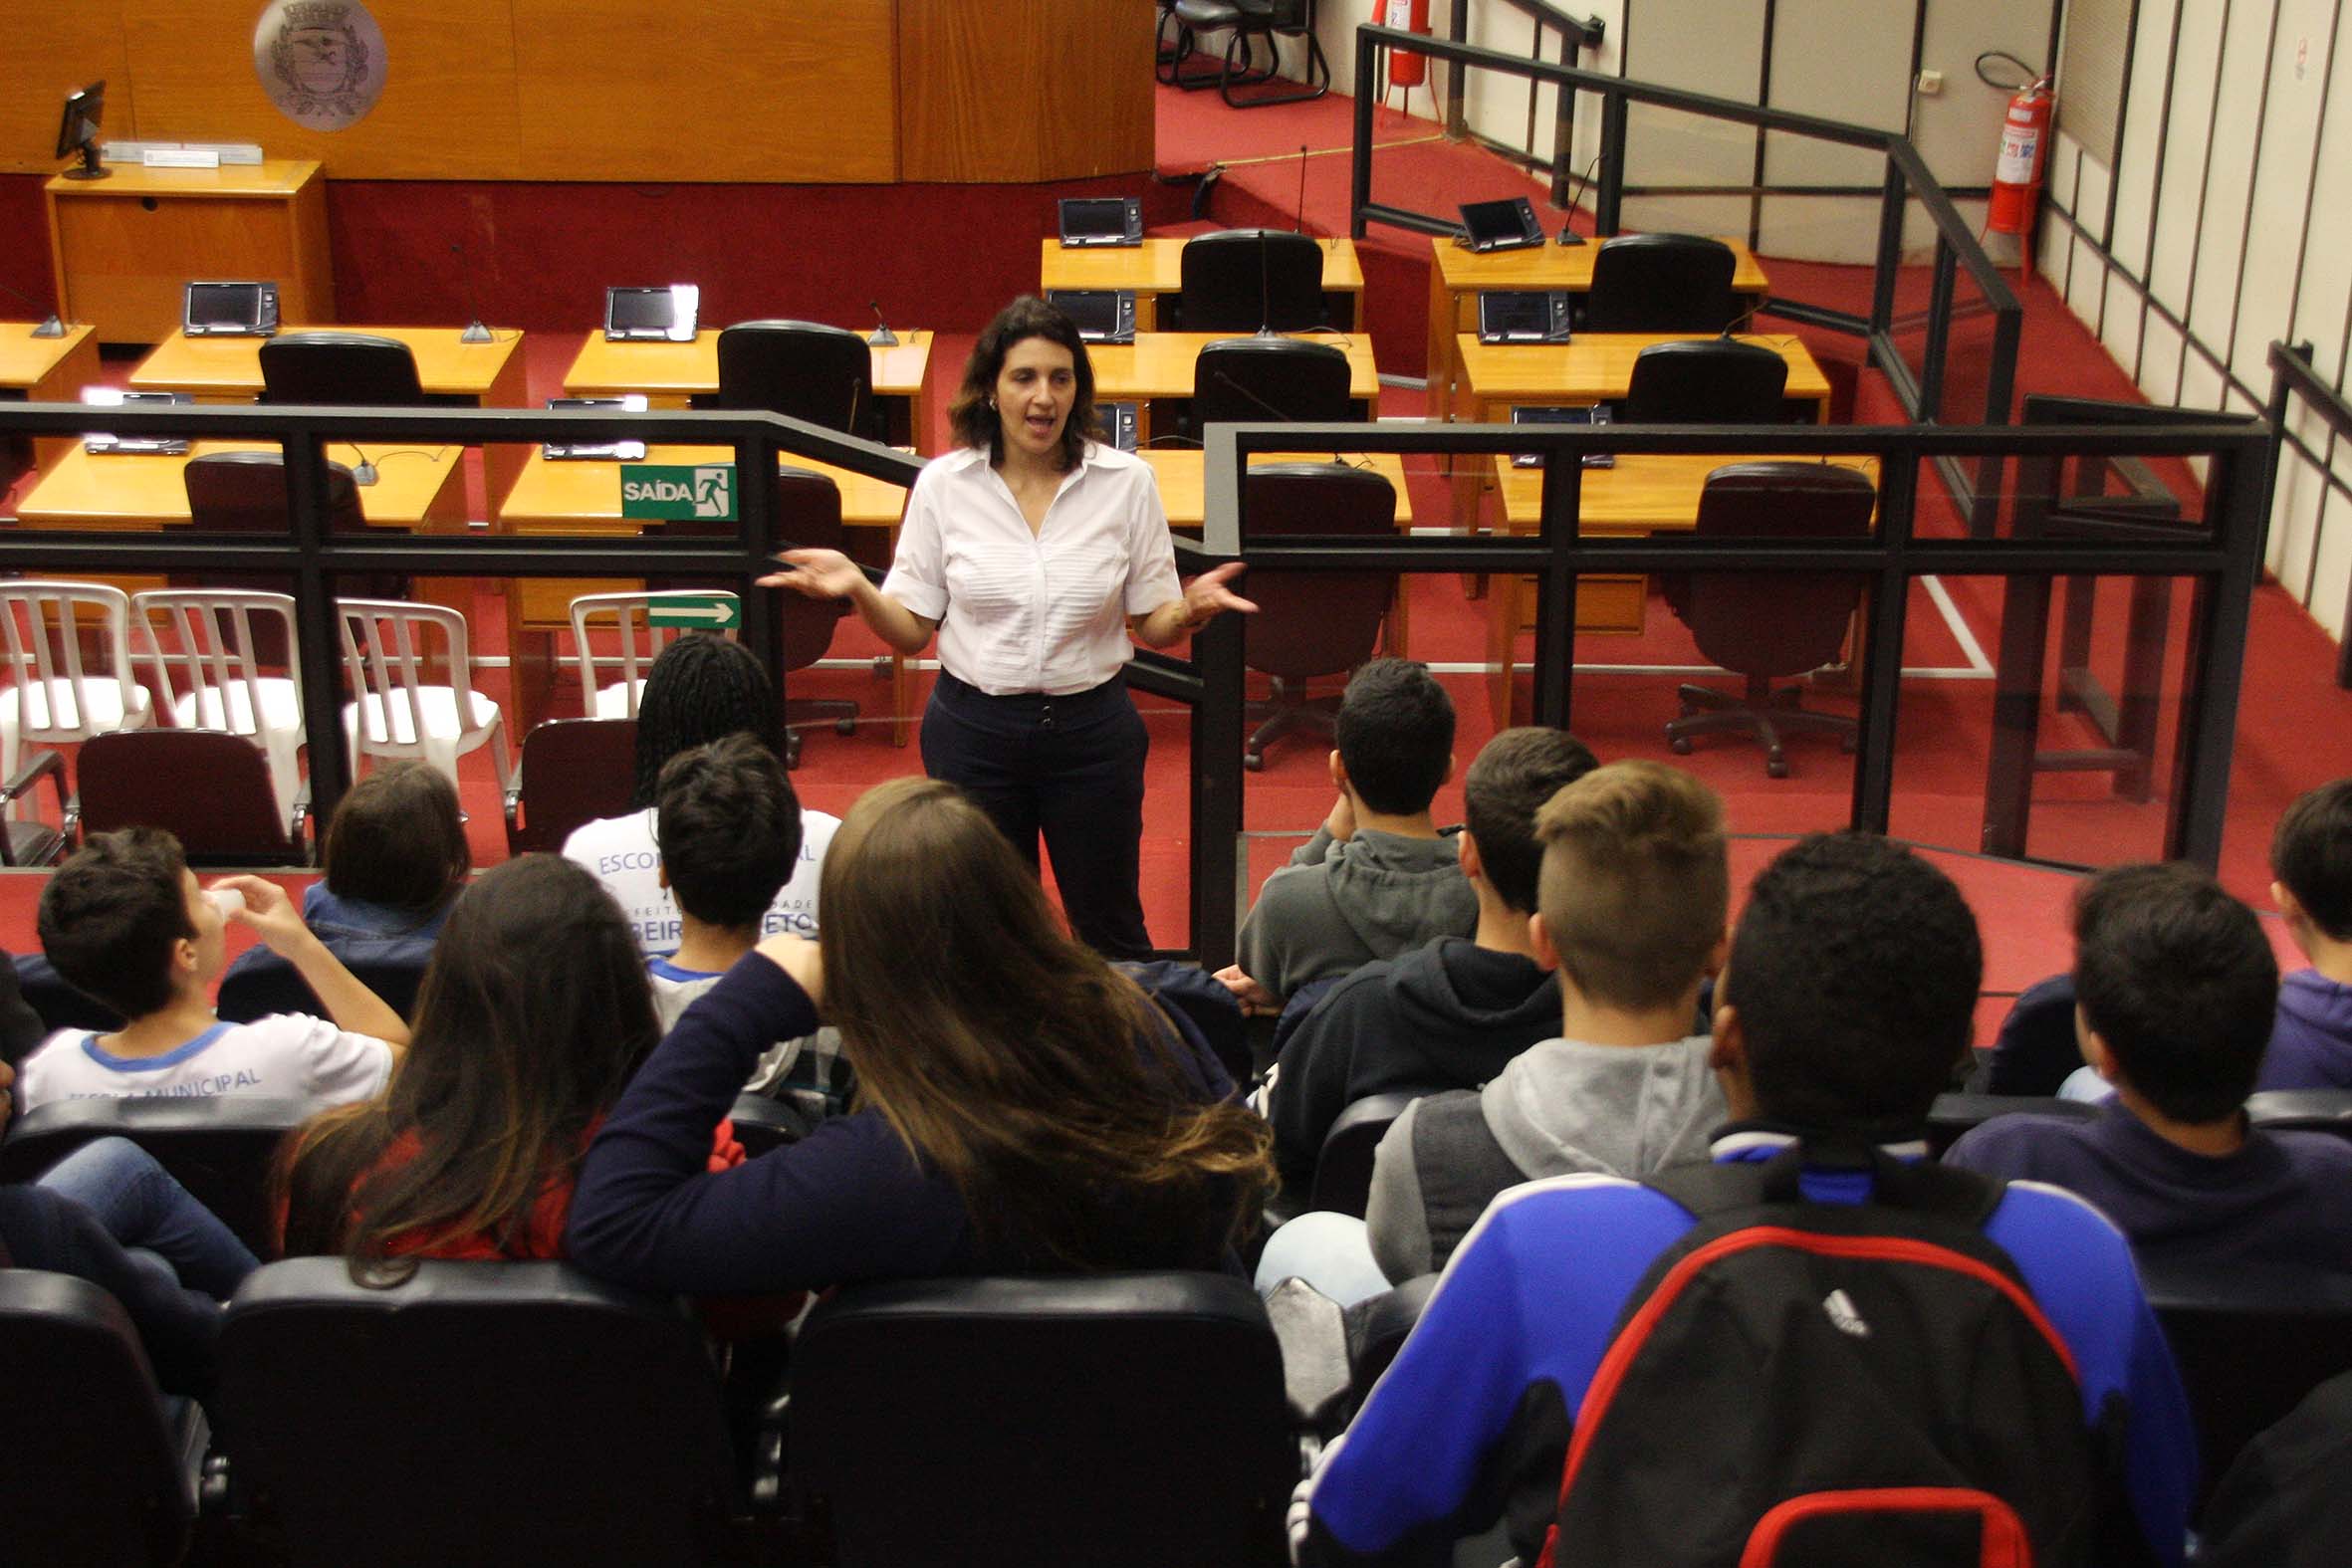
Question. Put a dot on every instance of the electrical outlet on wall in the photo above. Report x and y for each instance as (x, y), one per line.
(1931, 83)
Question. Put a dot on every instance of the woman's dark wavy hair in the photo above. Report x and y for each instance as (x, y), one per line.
(533, 1014)
(974, 417)
(703, 688)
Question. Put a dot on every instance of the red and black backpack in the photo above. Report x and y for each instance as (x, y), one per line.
(1808, 1385)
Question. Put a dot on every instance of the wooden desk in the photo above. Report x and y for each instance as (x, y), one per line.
(671, 373)
(47, 371)
(421, 489)
(124, 248)
(228, 371)
(1157, 368)
(1645, 493)
(1155, 269)
(1460, 273)
(581, 497)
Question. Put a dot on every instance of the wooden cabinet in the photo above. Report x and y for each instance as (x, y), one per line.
(124, 248)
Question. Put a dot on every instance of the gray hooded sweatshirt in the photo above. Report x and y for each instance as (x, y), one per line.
(1557, 1109)
(1340, 904)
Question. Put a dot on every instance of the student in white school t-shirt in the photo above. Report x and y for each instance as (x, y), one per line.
(124, 921)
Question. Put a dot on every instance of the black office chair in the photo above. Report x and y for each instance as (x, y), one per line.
(1768, 624)
(245, 493)
(1240, 280)
(90, 1472)
(808, 510)
(1128, 1418)
(800, 369)
(1311, 624)
(1661, 283)
(1249, 380)
(1243, 20)
(221, 1149)
(1955, 1114)
(572, 771)
(340, 368)
(2250, 1343)
(1343, 1170)
(2035, 1052)
(521, 1414)
(1707, 381)
(209, 788)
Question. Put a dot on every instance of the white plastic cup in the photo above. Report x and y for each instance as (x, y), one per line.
(225, 899)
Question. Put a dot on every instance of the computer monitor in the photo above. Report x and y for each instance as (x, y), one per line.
(108, 441)
(77, 131)
(230, 310)
(1523, 316)
(1101, 220)
(663, 314)
(1501, 225)
(1593, 416)
(1102, 315)
(573, 451)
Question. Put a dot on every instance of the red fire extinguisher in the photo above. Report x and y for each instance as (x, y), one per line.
(1404, 70)
(2024, 149)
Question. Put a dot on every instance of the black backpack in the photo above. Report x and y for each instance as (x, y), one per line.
(1806, 1385)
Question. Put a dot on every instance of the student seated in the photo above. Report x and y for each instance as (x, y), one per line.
(729, 826)
(1378, 878)
(2176, 989)
(2311, 860)
(1023, 1106)
(1450, 1013)
(1848, 996)
(124, 920)
(1633, 893)
(395, 858)
(534, 1014)
(702, 688)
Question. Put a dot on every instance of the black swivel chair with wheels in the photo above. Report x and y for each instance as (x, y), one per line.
(809, 507)
(1249, 380)
(1242, 20)
(1706, 382)
(1240, 280)
(1127, 1418)
(1765, 625)
(1661, 283)
(1311, 624)
(800, 369)
(344, 368)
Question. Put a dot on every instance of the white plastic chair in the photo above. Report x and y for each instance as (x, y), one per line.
(398, 710)
(207, 636)
(625, 617)
(50, 698)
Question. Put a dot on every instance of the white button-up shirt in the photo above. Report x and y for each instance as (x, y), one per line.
(1042, 612)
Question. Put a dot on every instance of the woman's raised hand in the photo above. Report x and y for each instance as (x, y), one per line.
(819, 573)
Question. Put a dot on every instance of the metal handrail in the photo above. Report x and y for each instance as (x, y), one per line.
(2293, 378)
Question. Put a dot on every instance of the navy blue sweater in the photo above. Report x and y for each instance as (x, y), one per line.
(848, 1203)
(180, 1327)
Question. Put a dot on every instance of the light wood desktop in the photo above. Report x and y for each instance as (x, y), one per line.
(1157, 368)
(418, 490)
(1642, 492)
(1155, 270)
(124, 247)
(671, 373)
(228, 371)
(48, 370)
(1460, 275)
(581, 497)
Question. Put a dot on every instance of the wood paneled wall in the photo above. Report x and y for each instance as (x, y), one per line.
(1023, 90)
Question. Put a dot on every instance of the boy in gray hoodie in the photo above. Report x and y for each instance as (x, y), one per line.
(1378, 878)
(1633, 902)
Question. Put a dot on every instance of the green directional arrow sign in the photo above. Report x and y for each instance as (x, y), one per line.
(678, 490)
(708, 611)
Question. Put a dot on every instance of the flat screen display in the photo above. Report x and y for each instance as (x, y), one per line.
(1102, 314)
(664, 312)
(1499, 225)
(1095, 220)
(227, 306)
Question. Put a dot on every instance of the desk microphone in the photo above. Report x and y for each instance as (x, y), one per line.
(1568, 229)
(1265, 289)
(51, 325)
(881, 337)
(475, 332)
(1742, 320)
(1232, 385)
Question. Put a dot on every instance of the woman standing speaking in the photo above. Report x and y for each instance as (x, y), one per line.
(1036, 552)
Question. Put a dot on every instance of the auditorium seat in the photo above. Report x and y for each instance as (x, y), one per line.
(1343, 1170)
(219, 1147)
(1955, 1114)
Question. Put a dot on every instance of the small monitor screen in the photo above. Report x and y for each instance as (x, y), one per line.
(1590, 415)
(1095, 310)
(1514, 314)
(639, 310)
(1499, 222)
(1094, 217)
(80, 121)
(213, 306)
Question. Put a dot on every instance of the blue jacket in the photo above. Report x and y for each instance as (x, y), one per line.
(1476, 1413)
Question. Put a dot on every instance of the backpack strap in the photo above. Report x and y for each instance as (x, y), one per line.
(1922, 1188)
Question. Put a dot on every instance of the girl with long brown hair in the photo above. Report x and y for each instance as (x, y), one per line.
(1021, 1106)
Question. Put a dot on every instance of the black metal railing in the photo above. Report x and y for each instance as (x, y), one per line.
(2295, 384)
(1575, 34)
(2222, 559)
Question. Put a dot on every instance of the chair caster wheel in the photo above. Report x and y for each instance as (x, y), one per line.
(1255, 762)
(1776, 767)
(844, 727)
(1680, 746)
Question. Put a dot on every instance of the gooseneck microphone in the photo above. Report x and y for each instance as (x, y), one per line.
(881, 337)
(475, 332)
(1263, 406)
(51, 325)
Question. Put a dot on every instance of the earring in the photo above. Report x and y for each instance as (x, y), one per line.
(992, 403)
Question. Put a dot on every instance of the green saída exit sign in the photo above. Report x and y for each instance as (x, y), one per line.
(706, 611)
(678, 490)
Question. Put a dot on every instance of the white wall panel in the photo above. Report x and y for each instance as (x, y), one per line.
(2229, 170)
(2143, 131)
(2181, 187)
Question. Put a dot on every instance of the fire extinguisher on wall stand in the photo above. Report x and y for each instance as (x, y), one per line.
(2025, 154)
(1407, 70)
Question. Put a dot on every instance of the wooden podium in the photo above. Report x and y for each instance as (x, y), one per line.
(126, 247)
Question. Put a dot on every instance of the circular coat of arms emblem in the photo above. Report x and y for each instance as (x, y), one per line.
(322, 62)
